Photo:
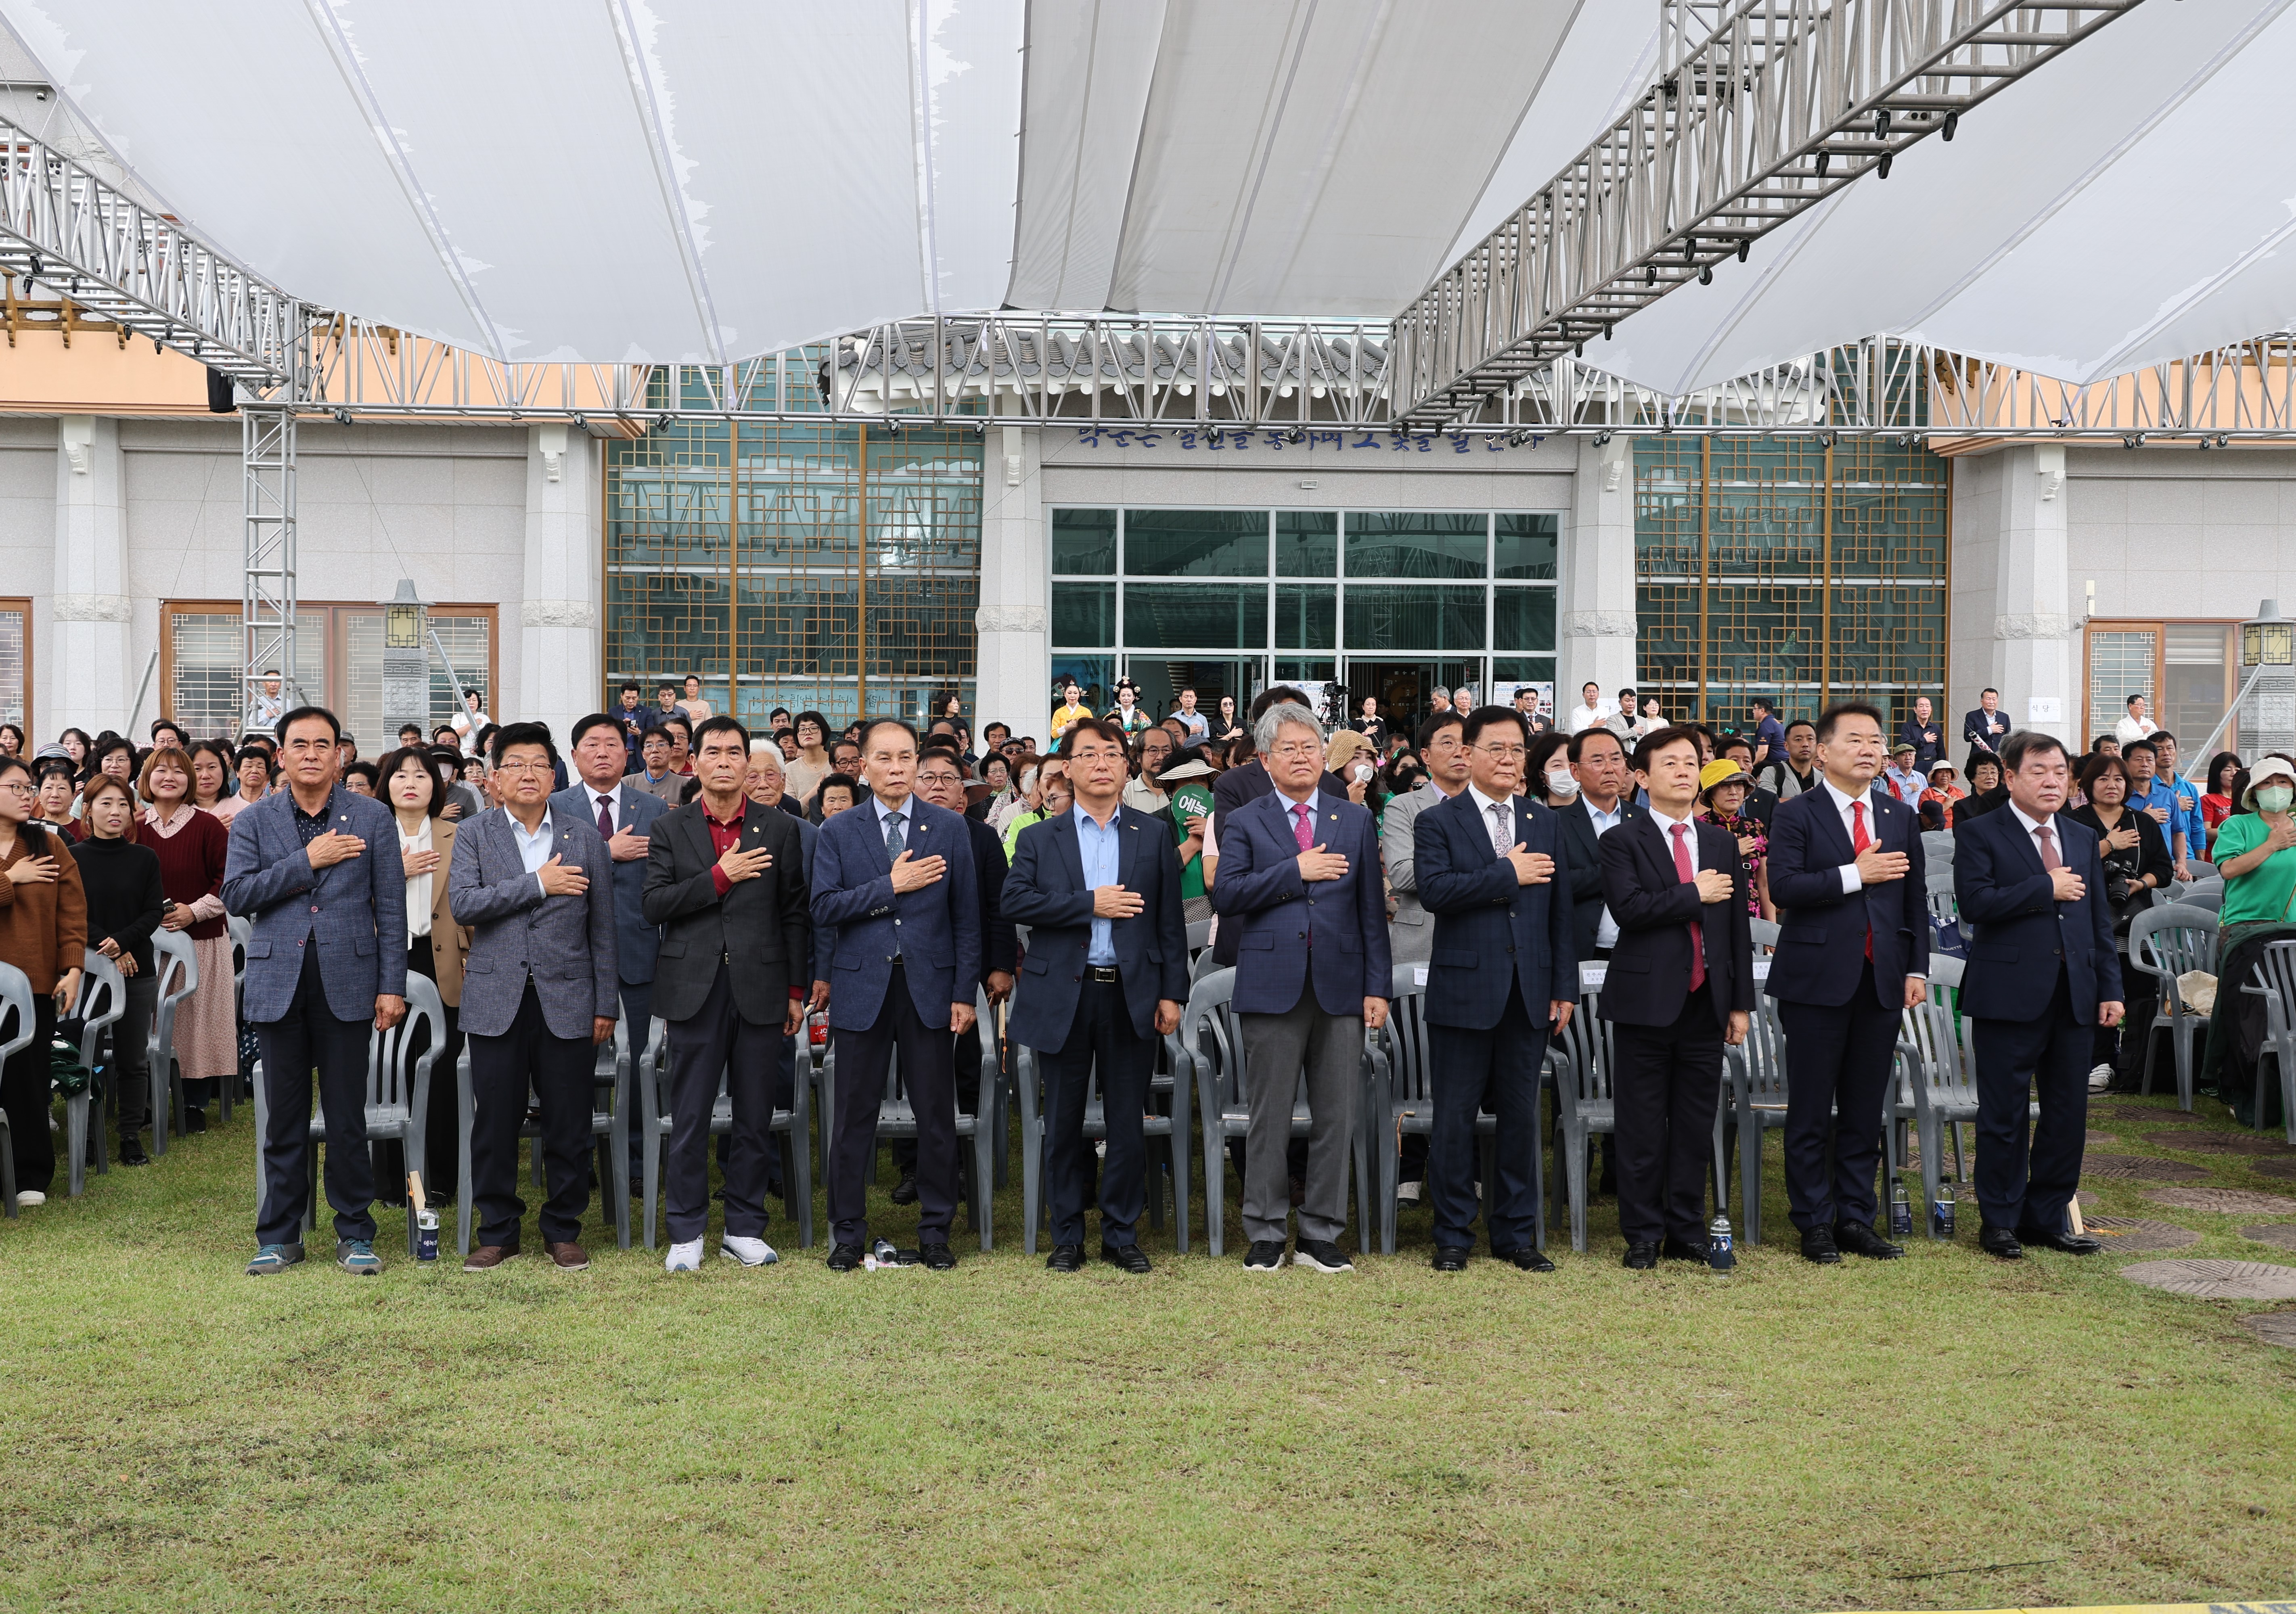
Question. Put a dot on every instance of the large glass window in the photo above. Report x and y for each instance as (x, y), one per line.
(338, 663)
(1192, 616)
(1195, 542)
(1084, 542)
(1307, 544)
(1385, 616)
(2187, 671)
(1416, 544)
(16, 667)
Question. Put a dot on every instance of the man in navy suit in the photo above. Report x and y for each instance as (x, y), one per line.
(538, 992)
(1986, 728)
(1680, 985)
(1853, 954)
(316, 868)
(1106, 973)
(624, 815)
(1299, 885)
(1502, 977)
(893, 880)
(2042, 975)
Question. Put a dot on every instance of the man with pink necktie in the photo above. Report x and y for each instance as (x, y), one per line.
(1299, 882)
(1681, 985)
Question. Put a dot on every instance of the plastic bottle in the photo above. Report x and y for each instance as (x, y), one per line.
(1901, 1211)
(1719, 1255)
(1941, 1210)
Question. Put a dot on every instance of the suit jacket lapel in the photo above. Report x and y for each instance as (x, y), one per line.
(697, 834)
(1837, 839)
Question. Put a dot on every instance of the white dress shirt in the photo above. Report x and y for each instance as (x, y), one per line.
(2032, 825)
(609, 800)
(533, 850)
(1851, 879)
(1606, 929)
(419, 888)
(1583, 717)
(1485, 805)
(2129, 730)
(1666, 832)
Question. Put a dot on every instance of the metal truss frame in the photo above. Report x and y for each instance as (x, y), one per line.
(1763, 109)
(266, 613)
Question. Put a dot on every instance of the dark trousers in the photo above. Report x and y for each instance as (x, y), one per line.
(717, 1042)
(1470, 1071)
(129, 1082)
(2021, 1185)
(1666, 1082)
(24, 1094)
(928, 1076)
(966, 1051)
(307, 1036)
(637, 1025)
(560, 1071)
(441, 1134)
(1101, 1036)
(1838, 1065)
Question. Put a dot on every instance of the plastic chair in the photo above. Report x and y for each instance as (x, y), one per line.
(1936, 1078)
(1765, 934)
(1757, 1105)
(2211, 899)
(397, 1095)
(1936, 849)
(1210, 1041)
(18, 1010)
(897, 1118)
(239, 929)
(792, 1125)
(102, 1000)
(1583, 1082)
(172, 960)
(2165, 943)
(1403, 1102)
(1172, 1127)
(1200, 937)
(2276, 983)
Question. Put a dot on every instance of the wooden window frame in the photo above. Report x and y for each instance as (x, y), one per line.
(2159, 626)
(23, 604)
(335, 640)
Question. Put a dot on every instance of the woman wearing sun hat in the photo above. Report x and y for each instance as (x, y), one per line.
(1723, 786)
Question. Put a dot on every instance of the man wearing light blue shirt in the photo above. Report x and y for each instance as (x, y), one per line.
(2189, 840)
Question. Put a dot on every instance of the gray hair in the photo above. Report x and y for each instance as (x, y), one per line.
(1284, 714)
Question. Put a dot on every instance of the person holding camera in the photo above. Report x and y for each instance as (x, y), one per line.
(2137, 862)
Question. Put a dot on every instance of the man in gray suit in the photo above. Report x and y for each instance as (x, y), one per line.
(603, 796)
(539, 994)
(316, 869)
(1445, 754)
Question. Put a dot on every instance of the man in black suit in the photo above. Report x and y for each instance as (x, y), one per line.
(1681, 985)
(1598, 761)
(1924, 733)
(1106, 975)
(2043, 974)
(1853, 954)
(725, 883)
(1986, 728)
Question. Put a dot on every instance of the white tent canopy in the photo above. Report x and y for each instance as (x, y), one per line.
(680, 180)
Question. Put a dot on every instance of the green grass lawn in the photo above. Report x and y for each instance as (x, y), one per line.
(183, 1436)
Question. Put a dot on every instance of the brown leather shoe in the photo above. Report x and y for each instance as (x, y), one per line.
(486, 1257)
(570, 1257)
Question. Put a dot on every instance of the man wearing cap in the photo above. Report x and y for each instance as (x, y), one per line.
(1903, 780)
(1853, 953)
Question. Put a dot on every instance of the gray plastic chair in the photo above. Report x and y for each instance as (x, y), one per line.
(1937, 849)
(1766, 933)
(2276, 983)
(792, 1126)
(178, 969)
(897, 1119)
(102, 1000)
(1936, 1078)
(1211, 1042)
(1756, 1104)
(2211, 899)
(607, 1122)
(239, 929)
(1172, 1127)
(398, 1097)
(17, 1014)
(1589, 1107)
(2165, 943)
(1200, 937)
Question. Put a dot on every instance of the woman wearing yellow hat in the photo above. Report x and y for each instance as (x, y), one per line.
(1722, 788)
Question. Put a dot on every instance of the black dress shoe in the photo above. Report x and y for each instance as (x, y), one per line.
(1065, 1257)
(1641, 1257)
(1817, 1245)
(904, 1192)
(846, 1258)
(195, 1121)
(1860, 1240)
(131, 1150)
(1129, 1256)
(2065, 1243)
(1682, 1250)
(2000, 1242)
(1530, 1259)
(940, 1257)
(1450, 1257)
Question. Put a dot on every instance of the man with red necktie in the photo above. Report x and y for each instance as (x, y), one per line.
(1853, 953)
(1680, 985)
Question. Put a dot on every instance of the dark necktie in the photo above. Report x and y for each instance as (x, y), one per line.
(606, 816)
(894, 843)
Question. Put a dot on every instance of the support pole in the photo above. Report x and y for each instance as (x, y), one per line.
(267, 597)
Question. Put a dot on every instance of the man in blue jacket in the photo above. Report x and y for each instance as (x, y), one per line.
(316, 868)
(1300, 884)
(1502, 977)
(1106, 974)
(1853, 954)
(893, 882)
(2042, 976)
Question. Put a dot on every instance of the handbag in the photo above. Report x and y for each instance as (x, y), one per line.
(65, 1072)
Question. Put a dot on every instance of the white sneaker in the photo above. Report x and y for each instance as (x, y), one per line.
(31, 1197)
(685, 1258)
(748, 1252)
(2100, 1077)
(1407, 1192)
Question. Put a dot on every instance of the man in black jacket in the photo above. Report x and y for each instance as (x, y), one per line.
(1598, 760)
(724, 881)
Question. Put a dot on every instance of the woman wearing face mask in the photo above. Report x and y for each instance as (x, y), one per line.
(1546, 771)
(2256, 854)
(1021, 797)
(2135, 858)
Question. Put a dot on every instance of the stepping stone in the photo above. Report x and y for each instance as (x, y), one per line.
(2273, 1327)
(2135, 1232)
(2222, 1201)
(2279, 1167)
(2216, 1142)
(2282, 1233)
(2142, 1168)
(2093, 1139)
(2216, 1280)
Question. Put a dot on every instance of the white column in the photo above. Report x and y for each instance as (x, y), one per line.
(2032, 620)
(561, 638)
(89, 643)
(1596, 631)
(1016, 592)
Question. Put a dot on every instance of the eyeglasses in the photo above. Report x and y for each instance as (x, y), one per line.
(19, 787)
(522, 766)
(1303, 750)
(1510, 752)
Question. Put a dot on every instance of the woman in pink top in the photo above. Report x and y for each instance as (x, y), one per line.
(191, 844)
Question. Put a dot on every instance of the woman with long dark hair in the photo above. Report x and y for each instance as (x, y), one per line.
(191, 844)
(2135, 858)
(436, 946)
(2217, 796)
(126, 898)
(44, 933)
